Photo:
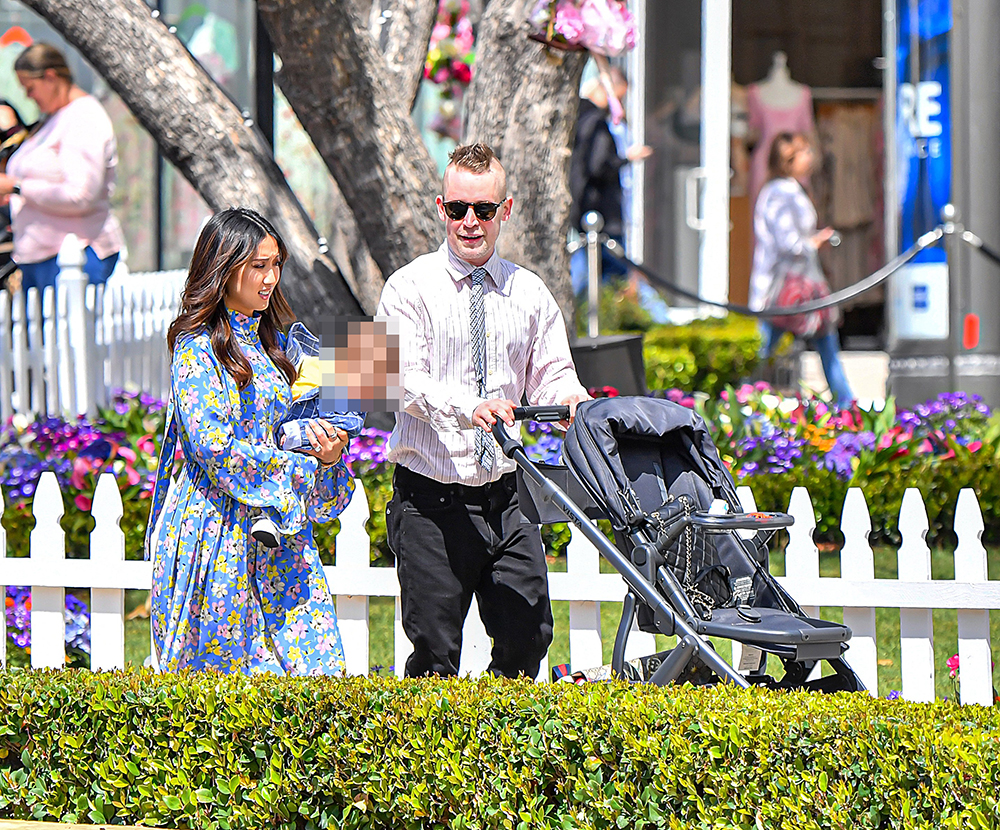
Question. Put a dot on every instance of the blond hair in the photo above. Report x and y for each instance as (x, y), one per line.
(478, 158)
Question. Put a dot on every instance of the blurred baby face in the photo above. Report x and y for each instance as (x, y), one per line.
(359, 359)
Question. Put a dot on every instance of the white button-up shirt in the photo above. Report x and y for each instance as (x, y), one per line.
(527, 353)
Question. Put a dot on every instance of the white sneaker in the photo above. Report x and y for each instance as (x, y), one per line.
(265, 532)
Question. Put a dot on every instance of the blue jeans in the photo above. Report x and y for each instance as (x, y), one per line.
(828, 348)
(42, 274)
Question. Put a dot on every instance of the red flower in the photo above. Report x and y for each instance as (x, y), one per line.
(462, 72)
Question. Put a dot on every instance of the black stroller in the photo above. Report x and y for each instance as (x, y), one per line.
(650, 467)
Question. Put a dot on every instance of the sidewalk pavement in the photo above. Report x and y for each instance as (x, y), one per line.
(867, 373)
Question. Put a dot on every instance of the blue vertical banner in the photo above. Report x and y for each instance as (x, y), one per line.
(923, 119)
(919, 291)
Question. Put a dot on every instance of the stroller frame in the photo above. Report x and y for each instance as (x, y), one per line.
(799, 641)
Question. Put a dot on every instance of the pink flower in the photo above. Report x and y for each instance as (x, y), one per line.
(464, 41)
(568, 22)
(132, 475)
(975, 446)
(81, 466)
(82, 501)
(439, 32)
(128, 454)
(952, 663)
(440, 76)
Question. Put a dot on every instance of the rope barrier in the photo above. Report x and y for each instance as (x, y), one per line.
(871, 281)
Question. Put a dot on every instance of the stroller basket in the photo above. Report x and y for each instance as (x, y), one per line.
(649, 466)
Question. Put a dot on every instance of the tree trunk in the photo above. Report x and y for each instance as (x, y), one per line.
(201, 132)
(402, 29)
(336, 81)
(523, 101)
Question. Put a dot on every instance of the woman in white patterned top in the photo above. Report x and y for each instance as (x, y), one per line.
(785, 235)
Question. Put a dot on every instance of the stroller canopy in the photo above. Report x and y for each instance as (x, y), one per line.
(591, 449)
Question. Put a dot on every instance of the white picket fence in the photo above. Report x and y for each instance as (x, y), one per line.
(353, 581)
(64, 350)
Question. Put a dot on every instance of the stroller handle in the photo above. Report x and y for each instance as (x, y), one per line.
(545, 414)
(527, 413)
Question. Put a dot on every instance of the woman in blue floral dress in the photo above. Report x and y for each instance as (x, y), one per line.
(221, 600)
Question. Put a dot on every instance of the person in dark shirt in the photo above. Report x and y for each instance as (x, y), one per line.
(595, 175)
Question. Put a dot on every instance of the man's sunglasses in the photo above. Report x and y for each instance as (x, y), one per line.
(484, 210)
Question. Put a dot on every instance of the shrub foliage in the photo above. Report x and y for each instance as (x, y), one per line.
(212, 751)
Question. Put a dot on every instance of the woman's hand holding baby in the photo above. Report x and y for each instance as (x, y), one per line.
(326, 442)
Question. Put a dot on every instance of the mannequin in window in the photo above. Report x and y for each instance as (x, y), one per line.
(777, 104)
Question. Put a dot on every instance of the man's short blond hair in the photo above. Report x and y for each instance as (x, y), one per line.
(477, 158)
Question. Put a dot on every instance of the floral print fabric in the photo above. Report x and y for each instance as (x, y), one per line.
(220, 600)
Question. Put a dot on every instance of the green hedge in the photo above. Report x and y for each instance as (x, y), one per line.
(213, 751)
(723, 351)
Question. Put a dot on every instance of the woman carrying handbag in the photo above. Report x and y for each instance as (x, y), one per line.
(786, 268)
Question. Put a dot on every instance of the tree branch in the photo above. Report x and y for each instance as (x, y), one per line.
(523, 101)
(402, 29)
(334, 77)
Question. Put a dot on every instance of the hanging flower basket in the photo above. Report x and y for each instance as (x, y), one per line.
(603, 27)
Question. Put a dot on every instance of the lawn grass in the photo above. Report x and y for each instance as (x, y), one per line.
(382, 613)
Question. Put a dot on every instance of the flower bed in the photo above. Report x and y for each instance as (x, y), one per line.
(769, 443)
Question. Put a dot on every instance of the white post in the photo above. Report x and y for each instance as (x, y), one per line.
(107, 605)
(802, 555)
(974, 657)
(857, 563)
(916, 625)
(716, 59)
(3, 591)
(80, 334)
(353, 554)
(582, 566)
(36, 353)
(19, 350)
(50, 329)
(47, 546)
(6, 363)
(115, 331)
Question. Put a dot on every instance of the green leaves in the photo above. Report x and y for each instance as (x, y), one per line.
(204, 750)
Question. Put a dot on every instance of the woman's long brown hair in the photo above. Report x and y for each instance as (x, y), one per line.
(229, 241)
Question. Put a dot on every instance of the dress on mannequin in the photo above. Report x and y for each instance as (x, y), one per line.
(775, 105)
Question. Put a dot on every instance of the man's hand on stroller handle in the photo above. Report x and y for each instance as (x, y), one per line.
(488, 412)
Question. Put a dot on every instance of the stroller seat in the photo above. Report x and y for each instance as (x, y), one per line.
(779, 632)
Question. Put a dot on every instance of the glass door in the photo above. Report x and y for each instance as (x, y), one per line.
(681, 107)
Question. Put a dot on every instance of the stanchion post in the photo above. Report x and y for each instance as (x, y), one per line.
(592, 224)
(949, 224)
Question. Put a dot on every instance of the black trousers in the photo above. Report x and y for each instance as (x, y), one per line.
(452, 541)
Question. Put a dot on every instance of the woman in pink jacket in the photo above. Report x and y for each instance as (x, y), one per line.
(60, 180)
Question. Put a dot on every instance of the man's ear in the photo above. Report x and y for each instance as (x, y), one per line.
(507, 205)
